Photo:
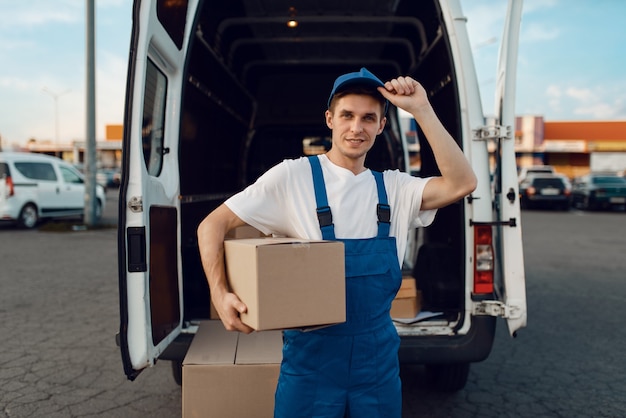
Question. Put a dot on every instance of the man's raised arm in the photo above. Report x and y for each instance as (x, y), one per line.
(457, 177)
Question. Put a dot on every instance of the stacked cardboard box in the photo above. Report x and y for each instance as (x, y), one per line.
(407, 301)
(287, 282)
(229, 374)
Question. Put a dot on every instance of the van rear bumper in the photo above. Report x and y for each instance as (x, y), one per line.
(472, 347)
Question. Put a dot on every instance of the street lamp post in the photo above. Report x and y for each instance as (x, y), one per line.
(56, 96)
(90, 96)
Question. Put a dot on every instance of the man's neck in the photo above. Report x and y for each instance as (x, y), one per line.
(356, 165)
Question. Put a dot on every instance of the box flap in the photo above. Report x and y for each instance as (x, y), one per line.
(212, 344)
(260, 348)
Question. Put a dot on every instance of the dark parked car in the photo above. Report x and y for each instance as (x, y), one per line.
(599, 191)
(108, 177)
(546, 191)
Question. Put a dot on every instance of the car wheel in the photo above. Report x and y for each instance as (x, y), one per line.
(29, 218)
(448, 377)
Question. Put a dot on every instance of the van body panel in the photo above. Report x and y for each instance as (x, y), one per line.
(472, 118)
(217, 98)
(150, 185)
(512, 289)
(70, 195)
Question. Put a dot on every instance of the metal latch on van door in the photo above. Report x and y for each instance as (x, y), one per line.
(135, 204)
(492, 132)
(497, 308)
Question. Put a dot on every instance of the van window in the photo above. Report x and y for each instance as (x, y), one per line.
(172, 14)
(153, 119)
(70, 176)
(549, 182)
(36, 171)
(4, 170)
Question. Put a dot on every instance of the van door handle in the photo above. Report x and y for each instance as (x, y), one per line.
(58, 190)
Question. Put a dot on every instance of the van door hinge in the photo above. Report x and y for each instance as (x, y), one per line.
(492, 132)
(496, 308)
(135, 204)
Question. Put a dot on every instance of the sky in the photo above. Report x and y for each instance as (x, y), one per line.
(571, 62)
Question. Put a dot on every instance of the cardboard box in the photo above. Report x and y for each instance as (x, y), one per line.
(230, 374)
(407, 301)
(212, 311)
(241, 232)
(286, 282)
(245, 231)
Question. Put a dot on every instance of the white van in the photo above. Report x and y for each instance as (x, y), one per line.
(218, 92)
(34, 187)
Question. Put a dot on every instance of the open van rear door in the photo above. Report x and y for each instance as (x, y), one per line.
(148, 232)
(508, 232)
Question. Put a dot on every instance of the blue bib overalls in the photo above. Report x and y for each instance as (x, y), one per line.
(350, 369)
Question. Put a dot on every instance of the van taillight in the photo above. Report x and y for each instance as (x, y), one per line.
(9, 182)
(483, 256)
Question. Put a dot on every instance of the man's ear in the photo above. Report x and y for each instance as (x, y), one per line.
(329, 119)
(383, 122)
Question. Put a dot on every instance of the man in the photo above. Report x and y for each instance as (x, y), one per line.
(350, 369)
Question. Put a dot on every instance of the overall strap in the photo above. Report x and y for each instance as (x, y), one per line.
(383, 210)
(324, 215)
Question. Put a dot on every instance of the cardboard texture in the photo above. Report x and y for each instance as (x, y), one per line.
(242, 232)
(407, 301)
(286, 282)
(230, 374)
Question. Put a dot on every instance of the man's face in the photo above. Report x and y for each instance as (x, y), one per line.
(355, 122)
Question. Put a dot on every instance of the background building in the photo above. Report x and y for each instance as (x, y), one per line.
(108, 152)
(574, 148)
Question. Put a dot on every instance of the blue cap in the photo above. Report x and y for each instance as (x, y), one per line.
(363, 77)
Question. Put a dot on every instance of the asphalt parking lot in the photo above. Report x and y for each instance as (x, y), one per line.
(59, 310)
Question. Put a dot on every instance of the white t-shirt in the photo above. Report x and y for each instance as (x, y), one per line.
(282, 202)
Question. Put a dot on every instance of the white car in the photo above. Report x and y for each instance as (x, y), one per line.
(35, 187)
(526, 172)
